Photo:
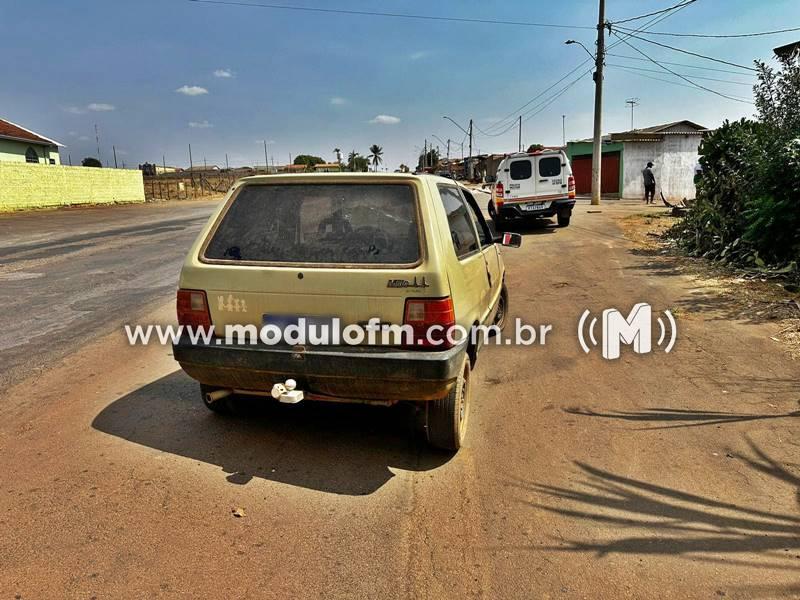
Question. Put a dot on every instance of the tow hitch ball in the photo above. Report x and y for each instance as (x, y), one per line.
(286, 392)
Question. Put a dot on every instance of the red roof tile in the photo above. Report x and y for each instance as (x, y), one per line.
(10, 130)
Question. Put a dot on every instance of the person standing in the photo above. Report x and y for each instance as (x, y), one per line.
(649, 184)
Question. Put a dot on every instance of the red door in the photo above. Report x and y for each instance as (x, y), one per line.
(582, 171)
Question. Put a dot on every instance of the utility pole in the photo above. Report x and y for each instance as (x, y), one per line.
(114, 149)
(97, 139)
(425, 155)
(563, 130)
(191, 166)
(633, 102)
(70, 158)
(227, 167)
(597, 146)
(266, 159)
(469, 159)
(520, 133)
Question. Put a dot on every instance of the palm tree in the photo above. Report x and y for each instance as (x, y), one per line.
(337, 152)
(351, 160)
(376, 152)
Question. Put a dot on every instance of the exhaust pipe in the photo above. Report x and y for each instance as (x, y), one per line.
(212, 397)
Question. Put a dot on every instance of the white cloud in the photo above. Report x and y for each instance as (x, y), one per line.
(419, 55)
(74, 110)
(101, 107)
(385, 120)
(204, 124)
(192, 90)
(338, 101)
(223, 73)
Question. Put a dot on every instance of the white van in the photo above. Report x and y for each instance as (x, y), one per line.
(533, 185)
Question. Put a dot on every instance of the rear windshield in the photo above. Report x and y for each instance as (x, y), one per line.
(319, 223)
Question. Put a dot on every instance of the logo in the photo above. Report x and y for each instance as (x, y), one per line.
(635, 330)
(405, 283)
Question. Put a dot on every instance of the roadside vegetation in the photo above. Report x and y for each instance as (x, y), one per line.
(747, 212)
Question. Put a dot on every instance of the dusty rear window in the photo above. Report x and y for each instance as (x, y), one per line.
(319, 223)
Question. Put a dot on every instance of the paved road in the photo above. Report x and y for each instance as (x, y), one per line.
(67, 276)
(660, 476)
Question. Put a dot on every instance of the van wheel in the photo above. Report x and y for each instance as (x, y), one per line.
(446, 419)
(222, 406)
(563, 221)
(498, 220)
(501, 315)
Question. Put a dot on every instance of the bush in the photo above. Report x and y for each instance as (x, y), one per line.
(748, 201)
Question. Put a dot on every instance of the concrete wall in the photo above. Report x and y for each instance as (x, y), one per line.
(674, 160)
(25, 186)
(14, 151)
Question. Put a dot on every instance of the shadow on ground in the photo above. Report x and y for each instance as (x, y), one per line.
(535, 227)
(671, 418)
(665, 521)
(335, 448)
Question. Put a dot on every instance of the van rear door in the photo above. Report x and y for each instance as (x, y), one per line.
(551, 176)
(520, 178)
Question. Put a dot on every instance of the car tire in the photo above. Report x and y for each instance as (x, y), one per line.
(446, 419)
(501, 315)
(498, 220)
(563, 221)
(221, 407)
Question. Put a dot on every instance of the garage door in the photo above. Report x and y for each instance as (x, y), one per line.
(582, 171)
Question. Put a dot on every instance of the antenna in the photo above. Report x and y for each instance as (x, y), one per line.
(633, 102)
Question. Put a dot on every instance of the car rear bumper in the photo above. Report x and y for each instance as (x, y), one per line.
(514, 210)
(333, 372)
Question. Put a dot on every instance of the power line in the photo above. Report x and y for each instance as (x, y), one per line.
(720, 36)
(683, 4)
(686, 79)
(661, 15)
(677, 64)
(366, 13)
(694, 76)
(719, 60)
(691, 87)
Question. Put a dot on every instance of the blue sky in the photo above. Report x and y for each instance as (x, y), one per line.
(310, 82)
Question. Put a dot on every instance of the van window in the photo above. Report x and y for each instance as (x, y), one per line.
(462, 227)
(319, 223)
(550, 166)
(521, 169)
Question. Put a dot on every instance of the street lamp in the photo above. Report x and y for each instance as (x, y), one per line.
(570, 42)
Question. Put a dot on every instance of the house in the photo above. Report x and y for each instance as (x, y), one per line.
(18, 144)
(671, 147)
(788, 50)
(327, 168)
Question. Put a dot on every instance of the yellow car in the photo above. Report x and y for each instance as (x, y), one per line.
(407, 260)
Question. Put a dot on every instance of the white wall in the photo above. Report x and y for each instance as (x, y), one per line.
(674, 160)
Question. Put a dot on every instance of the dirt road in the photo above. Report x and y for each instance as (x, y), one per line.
(652, 476)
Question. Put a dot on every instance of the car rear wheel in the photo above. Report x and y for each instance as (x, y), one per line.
(498, 220)
(563, 220)
(446, 419)
(221, 406)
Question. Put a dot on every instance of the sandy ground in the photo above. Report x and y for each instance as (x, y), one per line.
(668, 475)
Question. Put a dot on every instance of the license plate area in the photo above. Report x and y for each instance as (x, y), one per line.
(534, 206)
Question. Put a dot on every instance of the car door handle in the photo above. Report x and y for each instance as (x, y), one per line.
(543, 180)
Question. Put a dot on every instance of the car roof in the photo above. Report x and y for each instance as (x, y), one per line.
(346, 176)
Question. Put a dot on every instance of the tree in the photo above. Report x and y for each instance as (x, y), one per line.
(376, 154)
(337, 152)
(308, 160)
(429, 160)
(746, 211)
(357, 163)
(90, 161)
(403, 168)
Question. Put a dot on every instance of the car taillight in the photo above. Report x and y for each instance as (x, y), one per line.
(193, 309)
(430, 319)
(499, 192)
(571, 186)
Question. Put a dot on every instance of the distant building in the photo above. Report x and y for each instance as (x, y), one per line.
(18, 144)
(672, 148)
(327, 168)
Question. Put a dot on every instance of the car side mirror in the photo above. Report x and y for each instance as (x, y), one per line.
(508, 239)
